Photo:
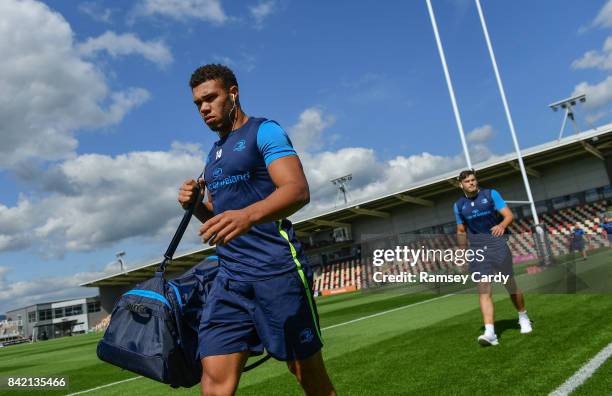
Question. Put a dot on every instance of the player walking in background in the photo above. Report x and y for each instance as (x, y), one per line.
(607, 226)
(262, 296)
(483, 216)
(577, 242)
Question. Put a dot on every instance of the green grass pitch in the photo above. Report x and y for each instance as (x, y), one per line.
(427, 348)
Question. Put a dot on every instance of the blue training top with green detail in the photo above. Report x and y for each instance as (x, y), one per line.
(236, 175)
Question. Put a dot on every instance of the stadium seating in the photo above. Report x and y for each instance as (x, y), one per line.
(339, 275)
(102, 325)
(560, 223)
(9, 328)
(10, 333)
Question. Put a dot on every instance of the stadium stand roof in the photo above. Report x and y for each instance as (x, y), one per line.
(419, 193)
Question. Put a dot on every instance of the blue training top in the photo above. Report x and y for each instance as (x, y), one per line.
(608, 227)
(578, 234)
(236, 175)
(479, 213)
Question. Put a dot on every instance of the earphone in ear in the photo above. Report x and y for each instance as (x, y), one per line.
(233, 98)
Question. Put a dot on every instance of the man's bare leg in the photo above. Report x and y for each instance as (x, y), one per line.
(312, 375)
(486, 303)
(515, 295)
(221, 373)
(519, 303)
(488, 311)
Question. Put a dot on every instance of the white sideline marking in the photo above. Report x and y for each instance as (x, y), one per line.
(387, 311)
(584, 373)
(325, 328)
(104, 386)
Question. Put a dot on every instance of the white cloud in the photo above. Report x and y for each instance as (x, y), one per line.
(598, 95)
(124, 101)
(604, 17)
(96, 11)
(206, 10)
(306, 134)
(593, 118)
(371, 176)
(127, 44)
(48, 90)
(596, 59)
(322, 167)
(3, 272)
(261, 11)
(480, 134)
(15, 222)
(245, 62)
(100, 200)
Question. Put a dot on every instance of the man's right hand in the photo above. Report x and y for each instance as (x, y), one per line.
(187, 192)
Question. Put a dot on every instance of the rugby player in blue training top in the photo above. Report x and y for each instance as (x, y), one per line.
(483, 215)
(607, 225)
(577, 243)
(262, 296)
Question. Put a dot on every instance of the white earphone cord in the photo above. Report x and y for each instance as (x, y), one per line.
(233, 108)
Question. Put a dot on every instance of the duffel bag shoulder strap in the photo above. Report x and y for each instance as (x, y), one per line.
(176, 239)
(257, 363)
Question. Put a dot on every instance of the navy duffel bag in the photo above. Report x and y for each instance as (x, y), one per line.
(154, 327)
(147, 333)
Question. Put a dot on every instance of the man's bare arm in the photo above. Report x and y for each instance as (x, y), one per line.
(291, 192)
(203, 210)
(499, 229)
(461, 236)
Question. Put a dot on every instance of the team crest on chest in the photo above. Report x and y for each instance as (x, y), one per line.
(218, 154)
(240, 145)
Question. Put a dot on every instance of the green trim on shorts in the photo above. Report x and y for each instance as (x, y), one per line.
(303, 277)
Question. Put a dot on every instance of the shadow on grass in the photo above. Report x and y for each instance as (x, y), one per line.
(503, 325)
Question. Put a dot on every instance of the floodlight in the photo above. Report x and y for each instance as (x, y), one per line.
(120, 260)
(342, 183)
(568, 104)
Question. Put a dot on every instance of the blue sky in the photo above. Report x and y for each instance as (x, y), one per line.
(99, 127)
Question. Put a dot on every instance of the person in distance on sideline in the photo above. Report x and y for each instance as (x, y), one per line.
(577, 241)
(483, 219)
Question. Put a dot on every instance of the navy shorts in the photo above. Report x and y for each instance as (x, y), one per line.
(577, 246)
(497, 258)
(278, 314)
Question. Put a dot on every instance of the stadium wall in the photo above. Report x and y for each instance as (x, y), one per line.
(110, 294)
(609, 167)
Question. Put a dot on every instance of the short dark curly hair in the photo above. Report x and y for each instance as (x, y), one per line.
(465, 174)
(213, 72)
